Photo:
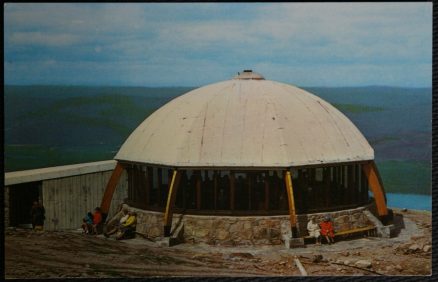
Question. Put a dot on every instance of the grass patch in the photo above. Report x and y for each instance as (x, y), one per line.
(412, 177)
(357, 108)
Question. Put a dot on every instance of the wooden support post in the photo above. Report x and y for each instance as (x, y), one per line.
(147, 186)
(110, 188)
(291, 200)
(215, 189)
(159, 183)
(198, 190)
(326, 180)
(249, 183)
(151, 185)
(267, 191)
(370, 171)
(173, 188)
(232, 190)
(350, 184)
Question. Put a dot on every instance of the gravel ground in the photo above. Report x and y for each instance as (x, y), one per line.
(71, 254)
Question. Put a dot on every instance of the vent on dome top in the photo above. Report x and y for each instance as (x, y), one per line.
(249, 74)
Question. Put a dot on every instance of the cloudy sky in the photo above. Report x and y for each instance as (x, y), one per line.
(150, 44)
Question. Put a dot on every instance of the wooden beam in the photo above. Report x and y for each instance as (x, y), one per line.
(350, 184)
(267, 191)
(249, 180)
(370, 171)
(232, 190)
(198, 190)
(173, 188)
(326, 180)
(147, 187)
(215, 189)
(159, 181)
(110, 188)
(291, 200)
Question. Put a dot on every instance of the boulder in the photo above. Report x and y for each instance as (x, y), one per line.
(414, 248)
(202, 232)
(363, 263)
(154, 232)
(427, 248)
(223, 234)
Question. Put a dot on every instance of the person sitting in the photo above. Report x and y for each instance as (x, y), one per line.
(87, 223)
(314, 230)
(127, 230)
(119, 225)
(327, 230)
(97, 221)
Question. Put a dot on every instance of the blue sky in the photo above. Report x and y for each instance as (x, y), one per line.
(151, 44)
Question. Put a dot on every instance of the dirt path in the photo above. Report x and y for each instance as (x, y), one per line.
(71, 254)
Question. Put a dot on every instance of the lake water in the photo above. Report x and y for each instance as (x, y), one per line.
(409, 201)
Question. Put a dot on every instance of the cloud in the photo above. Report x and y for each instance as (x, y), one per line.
(207, 42)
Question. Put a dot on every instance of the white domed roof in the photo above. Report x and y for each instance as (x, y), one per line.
(246, 123)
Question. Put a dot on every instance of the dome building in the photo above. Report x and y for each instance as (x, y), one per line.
(248, 150)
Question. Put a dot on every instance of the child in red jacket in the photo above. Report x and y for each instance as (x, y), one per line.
(97, 220)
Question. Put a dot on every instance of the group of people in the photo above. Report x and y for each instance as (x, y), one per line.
(92, 222)
(323, 229)
(125, 228)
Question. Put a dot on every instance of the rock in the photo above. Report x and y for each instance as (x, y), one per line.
(236, 227)
(338, 269)
(346, 254)
(339, 261)
(389, 268)
(363, 263)
(399, 267)
(414, 248)
(427, 248)
(202, 232)
(223, 234)
(154, 232)
(317, 258)
(404, 210)
(246, 234)
(347, 262)
(242, 255)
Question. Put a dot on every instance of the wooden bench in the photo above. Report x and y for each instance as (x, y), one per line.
(369, 230)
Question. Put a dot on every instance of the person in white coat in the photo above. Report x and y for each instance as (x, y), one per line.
(314, 230)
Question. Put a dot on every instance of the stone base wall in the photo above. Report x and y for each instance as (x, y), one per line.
(243, 230)
(342, 220)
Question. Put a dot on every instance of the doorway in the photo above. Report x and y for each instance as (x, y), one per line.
(21, 198)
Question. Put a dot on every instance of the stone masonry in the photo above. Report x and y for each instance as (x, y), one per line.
(243, 230)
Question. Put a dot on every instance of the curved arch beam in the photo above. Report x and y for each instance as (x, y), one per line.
(376, 186)
(110, 188)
